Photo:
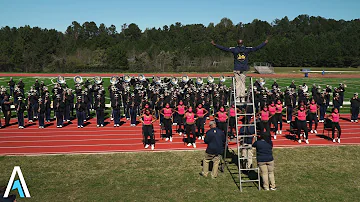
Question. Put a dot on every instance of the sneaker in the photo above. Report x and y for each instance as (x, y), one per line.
(288, 122)
(102, 125)
(352, 121)
(19, 127)
(277, 132)
(82, 126)
(338, 140)
(60, 126)
(170, 139)
(307, 141)
(334, 140)
(299, 141)
(202, 137)
(57, 126)
(166, 139)
(152, 147)
(114, 125)
(274, 137)
(180, 133)
(311, 131)
(97, 126)
(189, 144)
(146, 146)
(128, 119)
(194, 145)
(111, 119)
(273, 189)
(280, 132)
(356, 121)
(199, 138)
(117, 125)
(78, 126)
(266, 189)
(39, 126)
(315, 131)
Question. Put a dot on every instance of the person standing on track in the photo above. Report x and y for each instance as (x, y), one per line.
(354, 108)
(313, 108)
(222, 117)
(181, 108)
(147, 119)
(41, 108)
(301, 124)
(20, 108)
(190, 127)
(335, 118)
(167, 112)
(278, 117)
(240, 53)
(200, 121)
(80, 108)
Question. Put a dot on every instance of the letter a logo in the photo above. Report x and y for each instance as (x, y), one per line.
(19, 185)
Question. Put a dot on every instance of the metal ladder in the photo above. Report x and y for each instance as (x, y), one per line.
(243, 161)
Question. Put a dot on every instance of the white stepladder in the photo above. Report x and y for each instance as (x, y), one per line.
(244, 134)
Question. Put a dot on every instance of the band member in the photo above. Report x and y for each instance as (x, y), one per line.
(100, 107)
(69, 100)
(313, 108)
(301, 124)
(147, 119)
(272, 111)
(11, 84)
(116, 104)
(30, 109)
(278, 117)
(47, 103)
(80, 108)
(222, 117)
(41, 113)
(335, 118)
(180, 119)
(354, 107)
(190, 127)
(200, 121)
(6, 103)
(336, 101)
(290, 104)
(133, 109)
(323, 106)
(59, 111)
(20, 108)
(167, 112)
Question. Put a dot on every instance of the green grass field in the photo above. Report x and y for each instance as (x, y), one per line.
(302, 174)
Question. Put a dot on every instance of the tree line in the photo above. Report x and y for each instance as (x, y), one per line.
(305, 41)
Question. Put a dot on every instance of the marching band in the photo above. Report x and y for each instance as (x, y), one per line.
(185, 103)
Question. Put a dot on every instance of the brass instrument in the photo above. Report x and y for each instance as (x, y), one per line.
(61, 79)
(157, 80)
(210, 79)
(174, 81)
(114, 80)
(97, 79)
(141, 77)
(222, 79)
(127, 78)
(78, 79)
(185, 78)
(199, 81)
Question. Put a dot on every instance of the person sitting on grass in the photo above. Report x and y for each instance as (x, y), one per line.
(215, 140)
(265, 159)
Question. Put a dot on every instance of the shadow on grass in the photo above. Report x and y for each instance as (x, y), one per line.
(232, 165)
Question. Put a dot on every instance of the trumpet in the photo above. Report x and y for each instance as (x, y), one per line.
(60, 79)
(222, 79)
(157, 80)
(210, 79)
(114, 80)
(97, 79)
(78, 79)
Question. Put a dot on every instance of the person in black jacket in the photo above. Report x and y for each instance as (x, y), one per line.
(215, 139)
(116, 104)
(100, 107)
(20, 108)
(6, 103)
(41, 112)
(80, 108)
(265, 159)
(59, 107)
(11, 84)
(355, 104)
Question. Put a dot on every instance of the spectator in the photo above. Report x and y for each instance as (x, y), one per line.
(10, 198)
(215, 139)
(265, 160)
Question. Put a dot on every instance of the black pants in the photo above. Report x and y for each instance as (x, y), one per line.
(116, 116)
(354, 113)
(180, 123)
(168, 127)
(222, 126)
(100, 116)
(59, 118)
(20, 118)
(148, 132)
(337, 126)
(190, 130)
(301, 125)
(277, 121)
(41, 119)
(200, 126)
(232, 126)
(264, 125)
(7, 115)
(313, 117)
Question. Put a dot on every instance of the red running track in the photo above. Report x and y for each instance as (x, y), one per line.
(90, 139)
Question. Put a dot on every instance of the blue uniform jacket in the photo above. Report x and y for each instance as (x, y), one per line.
(241, 55)
(215, 139)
